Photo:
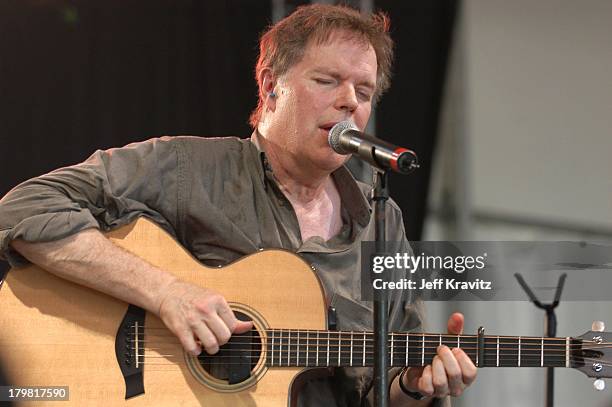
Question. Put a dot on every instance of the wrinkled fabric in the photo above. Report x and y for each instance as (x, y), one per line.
(218, 197)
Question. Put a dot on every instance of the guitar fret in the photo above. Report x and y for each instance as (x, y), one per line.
(567, 350)
(288, 348)
(327, 348)
(459, 341)
(519, 351)
(364, 348)
(440, 342)
(279, 350)
(351, 362)
(297, 361)
(317, 362)
(272, 350)
(339, 348)
(423, 352)
(497, 360)
(391, 356)
(281, 347)
(407, 347)
(542, 354)
(307, 346)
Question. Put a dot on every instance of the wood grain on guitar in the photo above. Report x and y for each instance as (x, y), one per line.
(56, 333)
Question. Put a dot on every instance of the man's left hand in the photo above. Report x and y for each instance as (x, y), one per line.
(450, 372)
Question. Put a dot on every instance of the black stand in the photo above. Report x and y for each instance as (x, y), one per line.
(551, 328)
(381, 300)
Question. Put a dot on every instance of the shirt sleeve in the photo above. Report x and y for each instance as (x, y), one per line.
(110, 189)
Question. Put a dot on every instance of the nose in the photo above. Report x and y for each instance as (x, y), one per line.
(346, 98)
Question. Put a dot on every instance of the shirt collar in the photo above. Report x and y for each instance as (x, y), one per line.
(259, 157)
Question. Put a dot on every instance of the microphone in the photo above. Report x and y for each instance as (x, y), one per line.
(345, 138)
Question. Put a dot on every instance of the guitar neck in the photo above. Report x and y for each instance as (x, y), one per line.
(310, 348)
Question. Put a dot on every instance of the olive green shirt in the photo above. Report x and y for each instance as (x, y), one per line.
(218, 197)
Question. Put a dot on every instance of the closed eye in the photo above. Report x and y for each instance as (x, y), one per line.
(365, 95)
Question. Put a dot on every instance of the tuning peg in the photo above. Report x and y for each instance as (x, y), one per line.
(599, 384)
(598, 326)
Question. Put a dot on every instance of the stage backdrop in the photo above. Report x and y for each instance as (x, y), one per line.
(78, 76)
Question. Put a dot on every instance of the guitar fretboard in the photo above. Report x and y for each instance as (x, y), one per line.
(333, 348)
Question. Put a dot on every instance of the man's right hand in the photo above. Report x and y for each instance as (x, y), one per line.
(199, 317)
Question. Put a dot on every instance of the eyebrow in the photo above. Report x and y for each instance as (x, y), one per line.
(336, 75)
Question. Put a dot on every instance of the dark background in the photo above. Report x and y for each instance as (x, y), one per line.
(76, 76)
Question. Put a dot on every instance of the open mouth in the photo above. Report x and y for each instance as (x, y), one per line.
(327, 126)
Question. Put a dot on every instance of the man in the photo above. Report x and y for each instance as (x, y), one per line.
(224, 198)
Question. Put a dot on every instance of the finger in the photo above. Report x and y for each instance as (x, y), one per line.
(234, 325)
(218, 327)
(454, 375)
(243, 326)
(189, 342)
(412, 377)
(425, 382)
(439, 380)
(455, 323)
(468, 369)
(206, 338)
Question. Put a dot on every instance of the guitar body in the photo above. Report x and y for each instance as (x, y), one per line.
(56, 333)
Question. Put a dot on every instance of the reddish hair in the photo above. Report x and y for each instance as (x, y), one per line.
(283, 44)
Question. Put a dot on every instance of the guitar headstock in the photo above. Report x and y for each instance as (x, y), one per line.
(593, 355)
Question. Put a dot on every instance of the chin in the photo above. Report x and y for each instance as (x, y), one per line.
(335, 161)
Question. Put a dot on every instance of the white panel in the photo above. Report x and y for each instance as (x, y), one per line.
(540, 108)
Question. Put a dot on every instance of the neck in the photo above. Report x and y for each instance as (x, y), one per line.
(301, 182)
(286, 347)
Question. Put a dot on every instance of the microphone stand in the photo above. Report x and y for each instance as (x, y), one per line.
(551, 328)
(380, 195)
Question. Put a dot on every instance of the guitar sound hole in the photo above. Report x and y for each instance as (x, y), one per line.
(236, 359)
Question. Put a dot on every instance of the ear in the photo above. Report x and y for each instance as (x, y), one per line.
(267, 84)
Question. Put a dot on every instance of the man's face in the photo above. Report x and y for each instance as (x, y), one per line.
(334, 81)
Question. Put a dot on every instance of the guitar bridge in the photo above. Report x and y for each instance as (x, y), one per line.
(129, 350)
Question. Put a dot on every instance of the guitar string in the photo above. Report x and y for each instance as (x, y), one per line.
(399, 349)
(216, 359)
(360, 337)
(369, 363)
(524, 355)
(503, 352)
(344, 336)
(322, 341)
(368, 333)
(553, 358)
(368, 336)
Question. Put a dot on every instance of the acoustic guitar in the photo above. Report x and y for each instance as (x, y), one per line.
(107, 352)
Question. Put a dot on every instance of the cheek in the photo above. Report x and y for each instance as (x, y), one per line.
(312, 99)
(362, 115)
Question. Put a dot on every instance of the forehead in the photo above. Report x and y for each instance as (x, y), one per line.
(338, 36)
(340, 50)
